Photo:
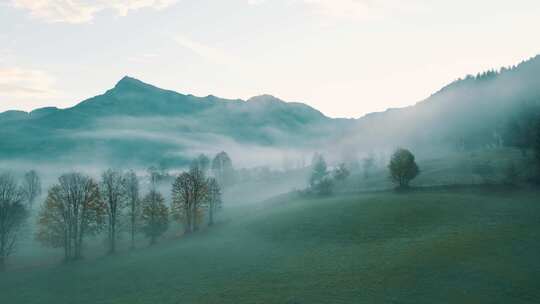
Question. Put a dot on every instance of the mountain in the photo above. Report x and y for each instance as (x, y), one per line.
(139, 123)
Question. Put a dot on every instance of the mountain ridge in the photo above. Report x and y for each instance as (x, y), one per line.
(128, 82)
(471, 112)
(131, 105)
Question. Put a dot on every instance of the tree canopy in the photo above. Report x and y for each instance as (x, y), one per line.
(403, 167)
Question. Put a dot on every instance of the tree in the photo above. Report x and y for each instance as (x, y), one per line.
(188, 192)
(319, 170)
(158, 174)
(213, 199)
(113, 192)
(199, 194)
(13, 213)
(154, 175)
(73, 209)
(133, 200)
(182, 200)
(403, 167)
(341, 173)
(222, 169)
(203, 162)
(319, 181)
(155, 216)
(31, 187)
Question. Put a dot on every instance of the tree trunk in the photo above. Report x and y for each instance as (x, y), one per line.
(112, 229)
(113, 237)
(132, 226)
(194, 219)
(188, 221)
(78, 242)
(66, 250)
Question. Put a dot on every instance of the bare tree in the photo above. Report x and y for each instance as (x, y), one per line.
(213, 199)
(31, 187)
(200, 191)
(113, 192)
(182, 200)
(203, 162)
(73, 209)
(132, 192)
(188, 193)
(155, 216)
(222, 169)
(12, 216)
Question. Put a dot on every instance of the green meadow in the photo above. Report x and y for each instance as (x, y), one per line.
(438, 245)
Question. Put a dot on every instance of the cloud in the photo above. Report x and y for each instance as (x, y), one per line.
(143, 58)
(82, 11)
(207, 52)
(341, 8)
(188, 144)
(255, 2)
(353, 9)
(20, 83)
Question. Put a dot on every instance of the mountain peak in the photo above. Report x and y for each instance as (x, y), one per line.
(266, 98)
(128, 81)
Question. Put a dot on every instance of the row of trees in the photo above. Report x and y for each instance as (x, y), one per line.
(78, 206)
(402, 168)
(16, 200)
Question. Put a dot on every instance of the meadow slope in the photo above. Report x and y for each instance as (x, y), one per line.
(432, 246)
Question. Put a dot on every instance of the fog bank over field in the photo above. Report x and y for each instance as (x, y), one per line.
(136, 126)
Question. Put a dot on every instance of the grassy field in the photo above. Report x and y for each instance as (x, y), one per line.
(431, 246)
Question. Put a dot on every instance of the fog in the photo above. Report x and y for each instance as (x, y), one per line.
(285, 192)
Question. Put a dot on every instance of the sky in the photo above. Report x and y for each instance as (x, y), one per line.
(346, 58)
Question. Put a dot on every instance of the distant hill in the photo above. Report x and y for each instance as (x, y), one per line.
(490, 109)
(138, 122)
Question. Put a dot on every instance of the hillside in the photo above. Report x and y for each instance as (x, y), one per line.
(137, 123)
(491, 109)
(434, 246)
